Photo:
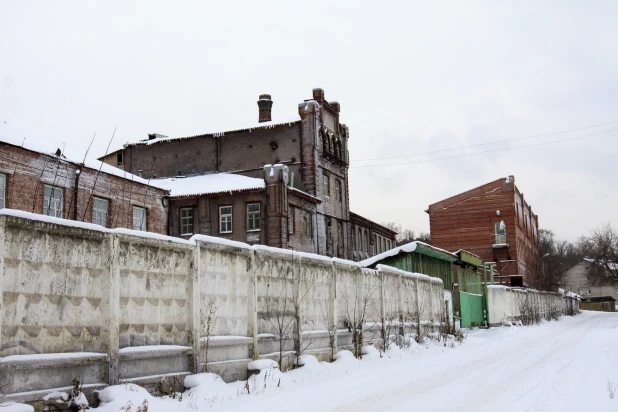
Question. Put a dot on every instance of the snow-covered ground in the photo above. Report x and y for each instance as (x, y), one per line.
(557, 366)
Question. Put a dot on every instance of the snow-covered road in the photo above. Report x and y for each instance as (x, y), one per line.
(556, 366)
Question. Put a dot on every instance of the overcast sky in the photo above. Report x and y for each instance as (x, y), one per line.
(411, 77)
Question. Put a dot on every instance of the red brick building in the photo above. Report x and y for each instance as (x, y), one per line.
(302, 201)
(46, 183)
(494, 222)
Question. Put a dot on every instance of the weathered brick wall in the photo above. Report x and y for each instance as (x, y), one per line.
(28, 172)
(467, 221)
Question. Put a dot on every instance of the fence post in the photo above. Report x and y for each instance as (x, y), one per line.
(114, 310)
(196, 303)
(333, 305)
(254, 311)
(3, 249)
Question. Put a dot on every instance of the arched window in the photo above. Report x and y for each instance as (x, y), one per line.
(332, 144)
(325, 141)
(337, 149)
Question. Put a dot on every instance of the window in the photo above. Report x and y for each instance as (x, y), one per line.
(2, 191)
(500, 231)
(324, 141)
(119, 159)
(253, 217)
(52, 201)
(326, 186)
(290, 220)
(339, 234)
(589, 292)
(139, 218)
(309, 225)
(534, 233)
(366, 242)
(225, 219)
(338, 190)
(376, 247)
(186, 221)
(99, 211)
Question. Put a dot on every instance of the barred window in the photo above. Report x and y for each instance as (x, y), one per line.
(99, 211)
(225, 219)
(253, 217)
(52, 201)
(139, 218)
(2, 191)
(186, 221)
(290, 220)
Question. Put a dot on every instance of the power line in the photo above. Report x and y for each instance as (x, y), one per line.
(488, 143)
(489, 151)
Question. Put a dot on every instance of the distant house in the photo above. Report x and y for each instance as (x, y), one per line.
(494, 222)
(94, 192)
(283, 184)
(577, 279)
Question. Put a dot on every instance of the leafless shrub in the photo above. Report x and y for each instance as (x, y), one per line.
(611, 389)
(209, 314)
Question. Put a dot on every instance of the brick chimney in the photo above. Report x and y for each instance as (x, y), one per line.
(265, 105)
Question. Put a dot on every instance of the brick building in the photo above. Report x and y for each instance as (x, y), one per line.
(494, 222)
(45, 183)
(302, 201)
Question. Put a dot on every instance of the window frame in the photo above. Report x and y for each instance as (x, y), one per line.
(339, 234)
(259, 217)
(144, 226)
(184, 223)
(47, 203)
(338, 190)
(231, 220)
(309, 225)
(291, 223)
(96, 211)
(4, 177)
(326, 185)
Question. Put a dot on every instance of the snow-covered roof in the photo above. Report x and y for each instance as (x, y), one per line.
(209, 184)
(249, 128)
(408, 247)
(611, 265)
(92, 164)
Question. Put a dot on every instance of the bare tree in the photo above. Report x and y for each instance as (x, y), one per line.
(555, 257)
(602, 250)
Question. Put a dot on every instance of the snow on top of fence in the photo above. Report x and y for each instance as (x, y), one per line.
(90, 226)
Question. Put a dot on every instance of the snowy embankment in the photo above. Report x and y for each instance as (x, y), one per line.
(557, 366)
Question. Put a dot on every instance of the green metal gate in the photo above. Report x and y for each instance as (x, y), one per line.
(470, 298)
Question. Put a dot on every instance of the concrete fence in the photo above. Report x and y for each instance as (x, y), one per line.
(507, 304)
(108, 306)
